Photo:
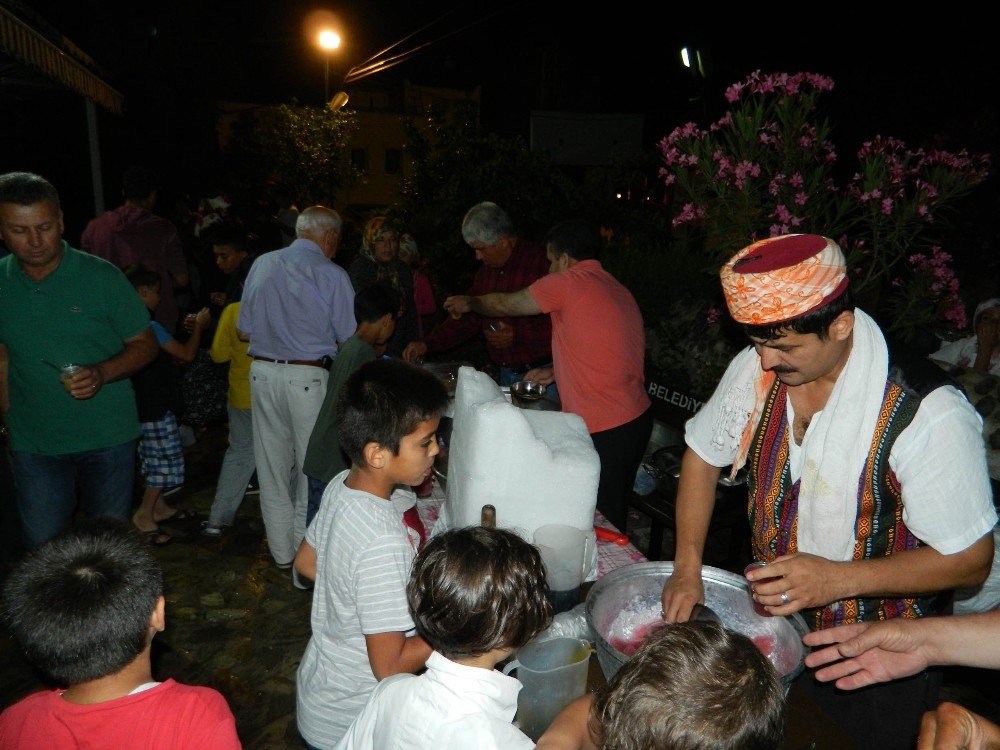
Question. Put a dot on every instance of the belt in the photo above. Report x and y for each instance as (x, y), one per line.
(311, 362)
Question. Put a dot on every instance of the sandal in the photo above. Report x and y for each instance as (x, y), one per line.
(156, 537)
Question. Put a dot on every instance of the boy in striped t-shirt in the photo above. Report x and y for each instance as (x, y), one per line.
(359, 551)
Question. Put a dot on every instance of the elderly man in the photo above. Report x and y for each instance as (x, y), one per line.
(598, 345)
(868, 487)
(132, 234)
(59, 306)
(517, 344)
(297, 306)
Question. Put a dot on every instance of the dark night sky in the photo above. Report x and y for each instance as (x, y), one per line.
(173, 60)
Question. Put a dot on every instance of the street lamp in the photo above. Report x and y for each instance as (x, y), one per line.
(329, 40)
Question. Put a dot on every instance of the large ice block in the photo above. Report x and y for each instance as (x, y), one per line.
(535, 467)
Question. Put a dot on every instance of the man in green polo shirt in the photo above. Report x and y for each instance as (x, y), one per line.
(59, 306)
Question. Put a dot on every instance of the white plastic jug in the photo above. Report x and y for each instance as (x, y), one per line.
(553, 674)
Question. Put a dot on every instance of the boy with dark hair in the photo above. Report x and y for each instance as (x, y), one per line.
(375, 308)
(359, 551)
(85, 607)
(476, 595)
(160, 443)
(692, 686)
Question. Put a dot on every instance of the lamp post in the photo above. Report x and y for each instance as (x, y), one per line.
(328, 40)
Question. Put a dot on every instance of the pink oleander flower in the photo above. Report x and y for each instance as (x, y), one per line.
(801, 198)
(734, 92)
(725, 121)
(712, 315)
(669, 178)
(743, 170)
(887, 206)
(796, 180)
(689, 212)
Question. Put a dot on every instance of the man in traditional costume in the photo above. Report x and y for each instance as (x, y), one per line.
(868, 491)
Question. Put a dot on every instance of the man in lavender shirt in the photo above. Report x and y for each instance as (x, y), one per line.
(297, 305)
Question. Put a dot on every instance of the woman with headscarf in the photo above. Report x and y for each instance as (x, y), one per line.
(379, 262)
(980, 352)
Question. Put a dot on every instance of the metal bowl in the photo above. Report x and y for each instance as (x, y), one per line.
(528, 391)
(626, 600)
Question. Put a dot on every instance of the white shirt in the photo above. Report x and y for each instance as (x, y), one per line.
(450, 707)
(363, 558)
(963, 353)
(939, 460)
(297, 304)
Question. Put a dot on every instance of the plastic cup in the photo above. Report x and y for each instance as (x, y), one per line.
(66, 373)
(759, 608)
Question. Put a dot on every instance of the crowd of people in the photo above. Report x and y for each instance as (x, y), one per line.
(869, 495)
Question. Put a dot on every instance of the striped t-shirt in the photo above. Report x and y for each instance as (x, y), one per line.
(363, 558)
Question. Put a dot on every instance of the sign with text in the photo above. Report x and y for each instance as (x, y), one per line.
(670, 405)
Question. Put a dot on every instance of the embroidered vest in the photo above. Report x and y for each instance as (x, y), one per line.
(879, 528)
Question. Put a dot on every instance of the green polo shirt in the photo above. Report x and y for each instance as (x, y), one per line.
(80, 313)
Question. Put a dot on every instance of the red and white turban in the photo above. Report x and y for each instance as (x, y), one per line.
(783, 278)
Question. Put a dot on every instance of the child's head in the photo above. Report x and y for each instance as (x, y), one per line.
(475, 590)
(229, 248)
(81, 605)
(375, 308)
(387, 416)
(146, 283)
(692, 686)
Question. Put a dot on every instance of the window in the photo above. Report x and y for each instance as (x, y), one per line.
(393, 157)
(359, 160)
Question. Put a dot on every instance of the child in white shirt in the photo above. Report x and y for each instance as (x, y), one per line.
(476, 595)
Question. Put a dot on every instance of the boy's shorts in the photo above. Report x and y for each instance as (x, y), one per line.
(160, 452)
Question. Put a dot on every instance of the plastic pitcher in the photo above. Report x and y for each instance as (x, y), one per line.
(554, 674)
(563, 550)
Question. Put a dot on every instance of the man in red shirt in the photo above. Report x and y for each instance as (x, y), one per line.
(517, 344)
(598, 347)
(132, 234)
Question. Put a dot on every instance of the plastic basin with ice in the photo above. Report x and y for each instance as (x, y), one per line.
(623, 609)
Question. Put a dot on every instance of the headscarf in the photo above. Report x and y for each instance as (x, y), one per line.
(374, 228)
(983, 307)
(783, 278)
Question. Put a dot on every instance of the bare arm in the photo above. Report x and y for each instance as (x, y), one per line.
(305, 561)
(695, 502)
(137, 352)
(496, 304)
(870, 652)
(186, 351)
(570, 730)
(394, 653)
(813, 581)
